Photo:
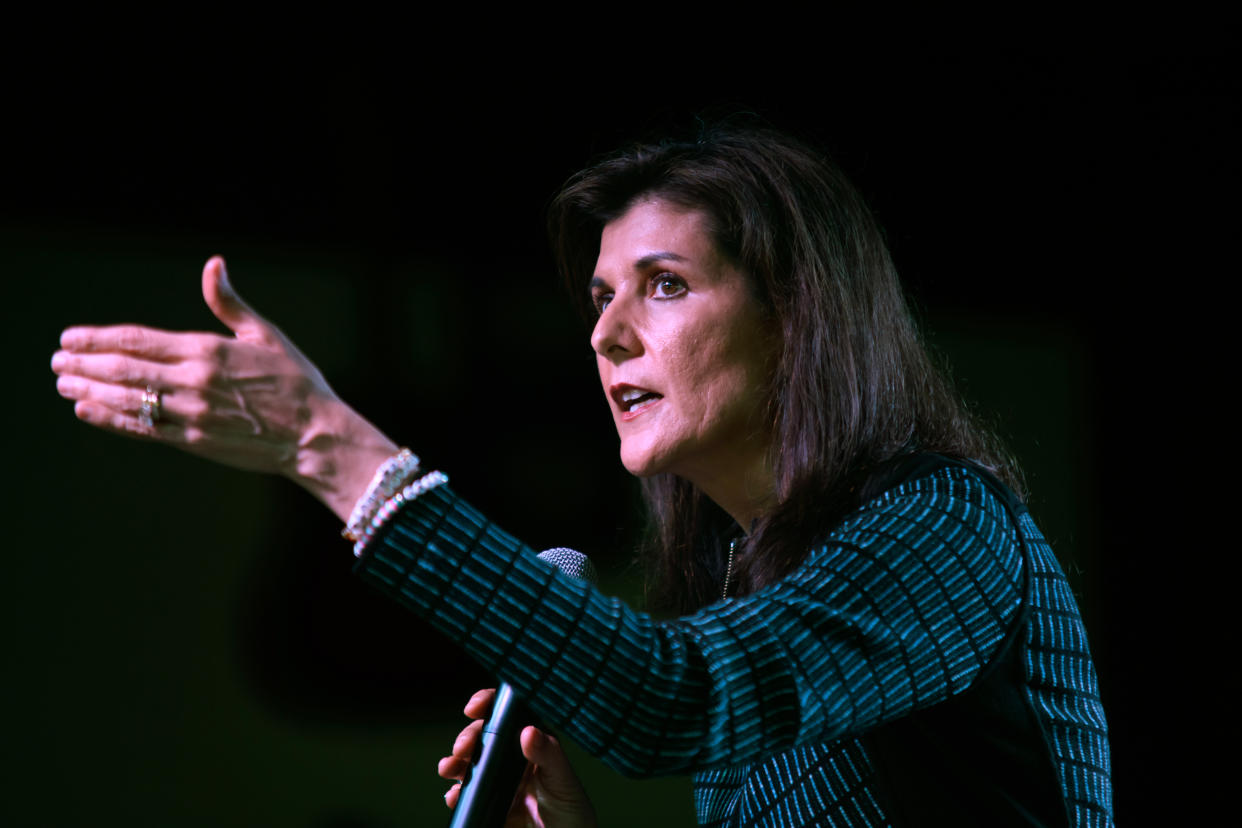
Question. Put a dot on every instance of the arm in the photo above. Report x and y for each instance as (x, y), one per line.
(898, 609)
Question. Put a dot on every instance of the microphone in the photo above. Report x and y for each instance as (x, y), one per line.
(490, 783)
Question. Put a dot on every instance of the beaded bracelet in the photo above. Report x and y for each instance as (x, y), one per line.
(391, 475)
(419, 487)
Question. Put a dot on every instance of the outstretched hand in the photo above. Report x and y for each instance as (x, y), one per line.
(550, 795)
(249, 400)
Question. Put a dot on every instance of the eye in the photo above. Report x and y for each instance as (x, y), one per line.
(667, 286)
(601, 300)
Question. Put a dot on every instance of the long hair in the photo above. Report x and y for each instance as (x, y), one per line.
(854, 387)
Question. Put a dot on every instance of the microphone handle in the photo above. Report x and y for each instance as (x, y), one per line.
(487, 791)
(489, 787)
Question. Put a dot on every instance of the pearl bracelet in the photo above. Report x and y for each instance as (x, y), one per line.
(391, 475)
(419, 487)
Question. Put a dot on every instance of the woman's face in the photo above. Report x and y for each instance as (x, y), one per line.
(683, 348)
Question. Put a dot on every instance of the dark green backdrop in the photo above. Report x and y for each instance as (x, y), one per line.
(185, 644)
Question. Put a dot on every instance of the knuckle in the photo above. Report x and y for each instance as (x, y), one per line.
(213, 351)
(123, 423)
(132, 339)
(79, 389)
(117, 368)
(79, 339)
(201, 375)
(198, 410)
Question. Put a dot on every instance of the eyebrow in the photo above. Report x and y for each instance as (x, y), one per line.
(642, 263)
(652, 258)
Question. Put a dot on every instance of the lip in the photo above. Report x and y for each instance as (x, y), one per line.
(617, 391)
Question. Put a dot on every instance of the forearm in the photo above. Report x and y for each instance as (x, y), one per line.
(579, 657)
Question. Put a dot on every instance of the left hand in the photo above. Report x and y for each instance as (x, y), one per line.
(549, 796)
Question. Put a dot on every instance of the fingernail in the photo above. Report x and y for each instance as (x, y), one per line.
(59, 360)
(69, 339)
(66, 387)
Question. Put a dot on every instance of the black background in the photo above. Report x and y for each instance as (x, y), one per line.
(186, 644)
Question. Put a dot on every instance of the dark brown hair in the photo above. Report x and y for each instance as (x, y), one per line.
(854, 387)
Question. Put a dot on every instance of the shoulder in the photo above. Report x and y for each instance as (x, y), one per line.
(948, 521)
(950, 486)
(929, 574)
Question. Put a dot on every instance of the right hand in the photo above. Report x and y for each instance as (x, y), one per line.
(550, 795)
(249, 400)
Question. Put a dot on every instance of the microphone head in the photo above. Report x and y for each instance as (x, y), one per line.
(571, 562)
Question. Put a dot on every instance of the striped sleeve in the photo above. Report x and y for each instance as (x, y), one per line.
(896, 610)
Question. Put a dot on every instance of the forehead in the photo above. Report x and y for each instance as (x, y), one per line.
(655, 226)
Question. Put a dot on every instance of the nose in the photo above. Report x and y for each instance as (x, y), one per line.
(615, 337)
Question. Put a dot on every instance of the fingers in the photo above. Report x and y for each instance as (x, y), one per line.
(167, 346)
(457, 764)
(118, 398)
(549, 788)
(466, 742)
(480, 704)
(228, 307)
(103, 417)
(452, 767)
(127, 401)
(117, 369)
(464, 746)
(136, 340)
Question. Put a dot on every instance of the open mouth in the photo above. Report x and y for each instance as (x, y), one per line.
(637, 401)
(632, 400)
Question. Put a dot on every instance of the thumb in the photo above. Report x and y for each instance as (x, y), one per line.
(228, 307)
(555, 774)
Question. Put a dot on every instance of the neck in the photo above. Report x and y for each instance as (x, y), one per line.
(746, 493)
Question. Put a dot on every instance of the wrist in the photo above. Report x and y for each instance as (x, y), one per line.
(337, 455)
(391, 477)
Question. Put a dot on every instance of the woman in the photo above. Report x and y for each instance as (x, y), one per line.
(872, 630)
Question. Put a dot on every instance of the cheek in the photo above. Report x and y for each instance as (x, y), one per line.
(688, 356)
(710, 364)
(729, 380)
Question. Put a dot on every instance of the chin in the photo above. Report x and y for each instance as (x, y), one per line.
(639, 469)
(642, 463)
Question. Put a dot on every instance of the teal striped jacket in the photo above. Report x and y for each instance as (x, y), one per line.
(828, 698)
